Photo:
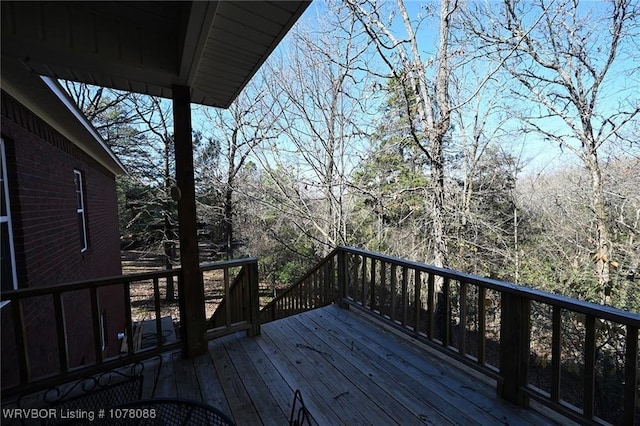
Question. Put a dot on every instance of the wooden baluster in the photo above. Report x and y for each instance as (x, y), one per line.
(304, 291)
(462, 327)
(95, 321)
(363, 294)
(21, 340)
(556, 341)
(482, 325)
(156, 307)
(61, 330)
(631, 376)
(244, 301)
(589, 366)
(324, 286)
(331, 268)
(417, 303)
(446, 313)
(394, 285)
(127, 317)
(322, 280)
(277, 307)
(372, 284)
(343, 280)
(430, 307)
(405, 301)
(252, 272)
(383, 287)
(227, 303)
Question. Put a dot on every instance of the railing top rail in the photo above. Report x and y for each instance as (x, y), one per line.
(103, 282)
(302, 278)
(599, 311)
(227, 264)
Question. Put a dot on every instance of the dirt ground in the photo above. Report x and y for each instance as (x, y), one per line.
(142, 292)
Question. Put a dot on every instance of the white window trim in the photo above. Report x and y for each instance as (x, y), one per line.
(7, 218)
(81, 210)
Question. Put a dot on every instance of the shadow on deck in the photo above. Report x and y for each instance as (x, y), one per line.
(350, 370)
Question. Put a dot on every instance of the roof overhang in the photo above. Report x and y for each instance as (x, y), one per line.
(46, 98)
(213, 47)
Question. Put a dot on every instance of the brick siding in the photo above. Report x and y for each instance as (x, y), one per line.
(40, 165)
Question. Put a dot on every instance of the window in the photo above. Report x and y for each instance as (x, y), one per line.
(7, 251)
(82, 223)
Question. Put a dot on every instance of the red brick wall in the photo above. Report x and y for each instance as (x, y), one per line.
(40, 165)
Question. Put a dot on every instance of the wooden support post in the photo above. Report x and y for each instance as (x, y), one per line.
(190, 288)
(514, 348)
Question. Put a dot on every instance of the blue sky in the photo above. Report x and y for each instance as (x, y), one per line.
(540, 155)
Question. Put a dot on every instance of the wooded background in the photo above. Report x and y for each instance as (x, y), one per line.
(423, 130)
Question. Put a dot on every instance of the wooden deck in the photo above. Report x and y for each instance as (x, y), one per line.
(350, 371)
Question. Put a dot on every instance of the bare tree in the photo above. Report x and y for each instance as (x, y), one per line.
(564, 62)
(431, 90)
(318, 85)
(236, 133)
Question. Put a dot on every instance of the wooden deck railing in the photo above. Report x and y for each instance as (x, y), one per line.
(505, 331)
(238, 310)
(586, 354)
(143, 293)
(316, 288)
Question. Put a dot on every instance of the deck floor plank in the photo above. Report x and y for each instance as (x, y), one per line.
(210, 386)
(370, 370)
(274, 381)
(350, 370)
(187, 383)
(475, 395)
(241, 404)
(333, 388)
(295, 380)
(439, 385)
(167, 379)
(268, 409)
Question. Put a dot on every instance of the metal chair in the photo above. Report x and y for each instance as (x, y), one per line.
(163, 411)
(89, 394)
(300, 415)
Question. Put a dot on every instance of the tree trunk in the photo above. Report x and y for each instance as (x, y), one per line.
(228, 221)
(440, 249)
(602, 257)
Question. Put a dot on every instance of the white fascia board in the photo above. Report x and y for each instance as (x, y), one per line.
(93, 134)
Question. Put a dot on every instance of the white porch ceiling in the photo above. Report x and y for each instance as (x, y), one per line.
(214, 47)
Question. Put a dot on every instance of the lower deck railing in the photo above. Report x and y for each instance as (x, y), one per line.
(149, 324)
